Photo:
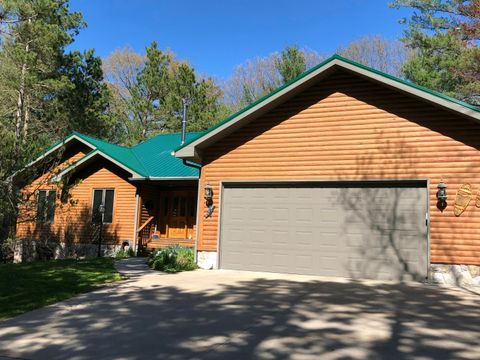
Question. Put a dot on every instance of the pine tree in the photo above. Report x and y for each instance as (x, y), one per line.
(444, 35)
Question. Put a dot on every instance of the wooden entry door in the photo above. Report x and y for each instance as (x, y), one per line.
(177, 220)
(179, 214)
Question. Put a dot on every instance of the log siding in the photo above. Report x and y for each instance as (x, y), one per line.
(349, 128)
(73, 218)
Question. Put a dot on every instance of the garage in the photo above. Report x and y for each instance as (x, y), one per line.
(339, 123)
(368, 229)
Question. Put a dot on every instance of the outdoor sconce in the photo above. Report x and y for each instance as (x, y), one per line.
(441, 196)
(209, 200)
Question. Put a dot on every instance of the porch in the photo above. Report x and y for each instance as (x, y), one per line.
(166, 215)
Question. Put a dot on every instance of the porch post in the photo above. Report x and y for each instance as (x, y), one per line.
(135, 226)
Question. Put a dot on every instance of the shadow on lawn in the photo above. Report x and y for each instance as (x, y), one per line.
(261, 318)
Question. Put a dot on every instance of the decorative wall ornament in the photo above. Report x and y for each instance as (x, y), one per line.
(464, 194)
(477, 201)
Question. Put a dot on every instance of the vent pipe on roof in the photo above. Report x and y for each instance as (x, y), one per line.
(186, 102)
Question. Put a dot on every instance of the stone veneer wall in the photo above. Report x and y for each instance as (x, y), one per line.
(455, 274)
(26, 250)
(207, 260)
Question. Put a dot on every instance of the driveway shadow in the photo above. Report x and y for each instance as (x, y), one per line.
(222, 315)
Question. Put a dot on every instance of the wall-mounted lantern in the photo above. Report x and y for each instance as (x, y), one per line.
(209, 200)
(441, 196)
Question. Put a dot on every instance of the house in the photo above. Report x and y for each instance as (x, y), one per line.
(149, 196)
(342, 172)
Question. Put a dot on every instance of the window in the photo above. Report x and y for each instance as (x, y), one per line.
(46, 205)
(105, 197)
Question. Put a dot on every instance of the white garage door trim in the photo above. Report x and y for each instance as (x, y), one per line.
(418, 182)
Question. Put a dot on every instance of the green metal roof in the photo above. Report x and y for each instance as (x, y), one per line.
(151, 159)
(156, 156)
(323, 63)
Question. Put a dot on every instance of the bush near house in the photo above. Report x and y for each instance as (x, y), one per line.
(28, 286)
(172, 259)
(124, 253)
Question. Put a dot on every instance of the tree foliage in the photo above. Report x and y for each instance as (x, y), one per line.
(260, 76)
(291, 63)
(149, 92)
(444, 35)
(45, 91)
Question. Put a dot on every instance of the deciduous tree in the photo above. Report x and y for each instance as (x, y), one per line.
(379, 53)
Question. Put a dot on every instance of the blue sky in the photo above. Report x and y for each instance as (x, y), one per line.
(215, 36)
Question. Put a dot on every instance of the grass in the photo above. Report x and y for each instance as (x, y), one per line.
(28, 286)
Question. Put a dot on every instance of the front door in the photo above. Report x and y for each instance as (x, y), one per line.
(178, 214)
(177, 219)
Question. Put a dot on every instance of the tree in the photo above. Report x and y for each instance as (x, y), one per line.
(44, 90)
(444, 35)
(260, 76)
(148, 93)
(290, 63)
(378, 53)
(121, 69)
(84, 105)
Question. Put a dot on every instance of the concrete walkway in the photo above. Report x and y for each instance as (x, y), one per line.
(245, 315)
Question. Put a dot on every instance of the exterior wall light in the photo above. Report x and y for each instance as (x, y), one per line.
(441, 196)
(209, 200)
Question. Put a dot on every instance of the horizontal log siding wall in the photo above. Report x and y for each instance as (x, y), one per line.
(347, 128)
(73, 219)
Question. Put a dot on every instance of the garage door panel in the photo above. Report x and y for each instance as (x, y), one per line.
(357, 232)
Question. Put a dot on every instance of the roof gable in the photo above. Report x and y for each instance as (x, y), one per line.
(192, 150)
(149, 160)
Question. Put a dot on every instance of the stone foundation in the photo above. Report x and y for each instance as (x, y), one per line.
(207, 260)
(459, 275)
(29, 250)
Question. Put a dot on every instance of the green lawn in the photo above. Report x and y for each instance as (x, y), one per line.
(24, 287)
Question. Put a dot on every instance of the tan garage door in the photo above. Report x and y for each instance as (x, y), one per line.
(375, 230)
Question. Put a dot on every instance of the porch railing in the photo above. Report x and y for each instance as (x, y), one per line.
(143, 232)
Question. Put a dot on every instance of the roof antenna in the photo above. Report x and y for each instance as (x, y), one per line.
(186, 103)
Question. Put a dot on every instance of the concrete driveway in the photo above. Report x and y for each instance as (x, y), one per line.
(242, 315)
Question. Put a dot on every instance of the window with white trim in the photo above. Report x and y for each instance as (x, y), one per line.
(102, 197)
(46, 206)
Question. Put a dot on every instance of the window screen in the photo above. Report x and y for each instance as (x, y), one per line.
(46, 205)
(105, 197)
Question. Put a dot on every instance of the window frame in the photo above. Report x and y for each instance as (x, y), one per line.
(104, 194)
(44, 219)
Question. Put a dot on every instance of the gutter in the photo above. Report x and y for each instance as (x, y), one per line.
(160, 178)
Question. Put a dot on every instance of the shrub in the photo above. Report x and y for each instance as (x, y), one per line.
(172, 259)
(122, 253)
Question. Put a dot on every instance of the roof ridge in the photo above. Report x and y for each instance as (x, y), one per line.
(140, 161)
(164, 134)
(89, 137)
